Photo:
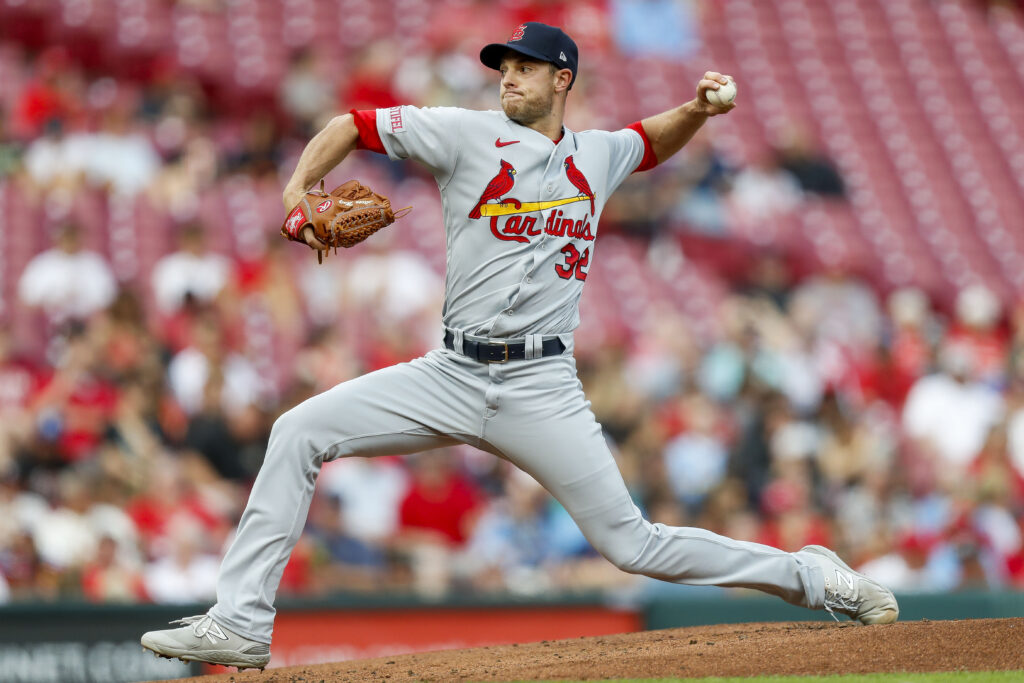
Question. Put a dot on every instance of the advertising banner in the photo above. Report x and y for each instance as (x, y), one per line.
(100, 644)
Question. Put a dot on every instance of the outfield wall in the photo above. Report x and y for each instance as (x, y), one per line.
(75, 643)
(711, 609)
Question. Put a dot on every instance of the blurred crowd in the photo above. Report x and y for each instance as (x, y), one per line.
(157, 324)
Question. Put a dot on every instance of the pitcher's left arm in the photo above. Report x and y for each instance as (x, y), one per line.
(669, 131)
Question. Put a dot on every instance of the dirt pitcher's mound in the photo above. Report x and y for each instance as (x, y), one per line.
(725, 650)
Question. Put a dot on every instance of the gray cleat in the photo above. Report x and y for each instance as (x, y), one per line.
(201, 639)
(850, 593)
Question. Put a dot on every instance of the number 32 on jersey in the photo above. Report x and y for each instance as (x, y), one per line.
(575, 263)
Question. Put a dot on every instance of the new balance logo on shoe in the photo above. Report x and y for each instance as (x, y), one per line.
(212, 629)
(843, 577)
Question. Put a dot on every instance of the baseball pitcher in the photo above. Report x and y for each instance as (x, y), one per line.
(522, 196)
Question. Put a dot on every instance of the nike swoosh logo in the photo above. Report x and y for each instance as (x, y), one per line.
(499, 143)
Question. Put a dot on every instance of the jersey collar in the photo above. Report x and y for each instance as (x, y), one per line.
(518, 126)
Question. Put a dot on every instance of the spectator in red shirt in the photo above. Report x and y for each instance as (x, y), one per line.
(42, 100)
(435, 519)
(440, 504)
(910, 349)
(77, 404)
(109, 578)
(979, 333)
(369, 81)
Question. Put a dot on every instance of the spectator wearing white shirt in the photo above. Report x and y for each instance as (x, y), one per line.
(185, 573)
(118, 157)
(192, 270)
(1015, 403)
(950, 414)
(209, 376)
(371, 491)
(67, 282)
(1015, 434)
(763, 190)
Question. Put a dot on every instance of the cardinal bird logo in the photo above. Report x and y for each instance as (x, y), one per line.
(499, 185)
(579, 180)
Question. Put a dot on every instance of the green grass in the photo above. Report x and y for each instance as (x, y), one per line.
(943, 677)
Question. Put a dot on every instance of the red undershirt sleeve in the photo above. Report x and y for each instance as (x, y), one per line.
(649, 161)
(366, 124)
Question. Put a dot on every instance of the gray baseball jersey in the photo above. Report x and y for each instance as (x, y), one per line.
(516, 267)
(521, 217)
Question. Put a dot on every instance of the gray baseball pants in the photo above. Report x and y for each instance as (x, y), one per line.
(531, 412)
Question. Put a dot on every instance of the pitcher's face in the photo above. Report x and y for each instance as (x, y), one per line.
(527, 88)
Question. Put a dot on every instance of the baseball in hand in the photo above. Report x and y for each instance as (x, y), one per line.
(724, 96)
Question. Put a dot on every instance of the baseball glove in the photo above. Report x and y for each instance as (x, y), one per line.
(344, 217)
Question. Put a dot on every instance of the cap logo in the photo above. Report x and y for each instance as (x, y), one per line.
(518, 33)
(561, 55)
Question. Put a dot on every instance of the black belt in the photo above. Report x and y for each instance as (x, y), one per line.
(501, 352)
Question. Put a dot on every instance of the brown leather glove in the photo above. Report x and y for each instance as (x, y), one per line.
(344, 217)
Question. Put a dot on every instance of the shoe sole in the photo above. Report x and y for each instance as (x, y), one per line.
(221, 657)
(890, 615)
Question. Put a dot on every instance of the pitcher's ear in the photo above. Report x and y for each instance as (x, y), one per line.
(563, 79)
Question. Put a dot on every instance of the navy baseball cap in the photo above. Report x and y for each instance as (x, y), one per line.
(537, 40)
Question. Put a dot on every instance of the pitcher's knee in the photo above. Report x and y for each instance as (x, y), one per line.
(627, 545)
(293, 432)
(623, 546)
(623, 556)
(287, 424)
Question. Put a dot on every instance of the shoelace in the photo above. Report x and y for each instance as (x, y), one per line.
(202, 625)
(835, 601)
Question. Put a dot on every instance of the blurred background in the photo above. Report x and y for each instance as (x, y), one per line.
(806, 328)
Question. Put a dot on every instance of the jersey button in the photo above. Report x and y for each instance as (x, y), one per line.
(508, 312)
(529, 280)
(551, 188)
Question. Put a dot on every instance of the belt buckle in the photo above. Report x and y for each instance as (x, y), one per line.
(503, 360)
